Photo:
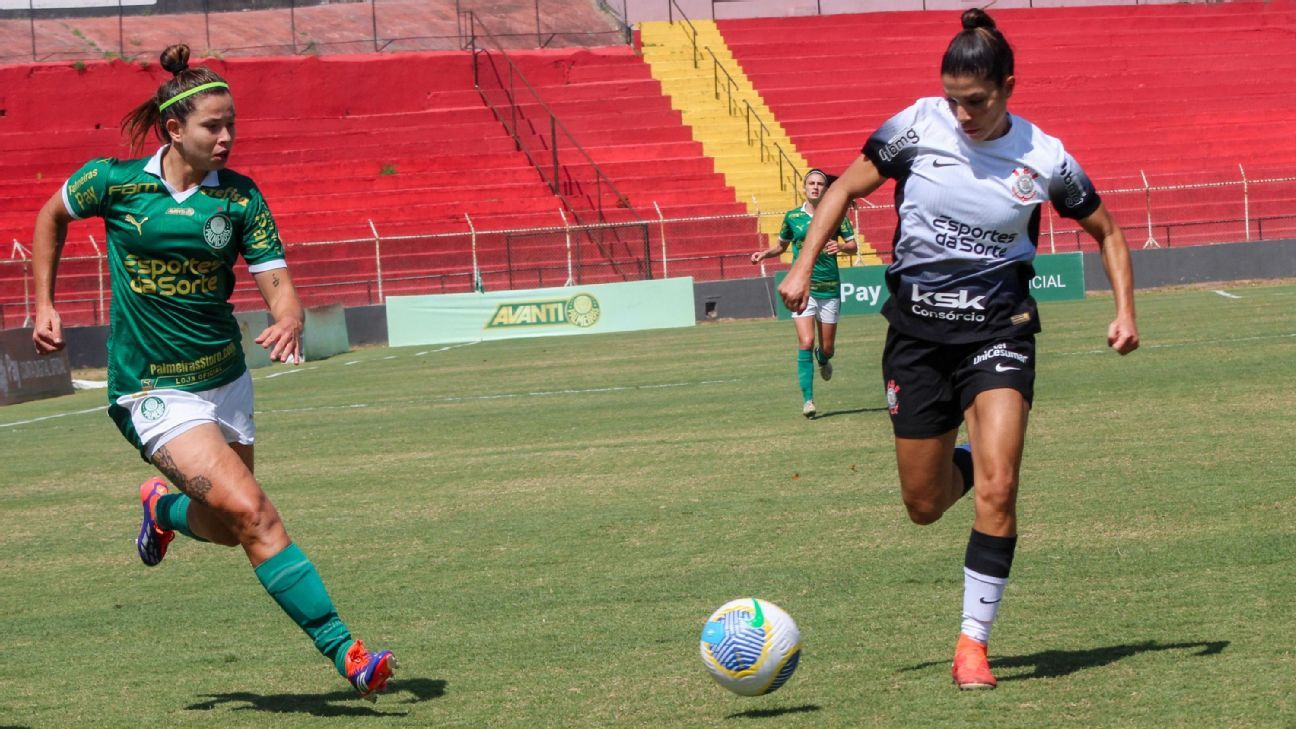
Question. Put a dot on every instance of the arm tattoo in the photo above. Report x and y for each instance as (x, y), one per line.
(195, 486)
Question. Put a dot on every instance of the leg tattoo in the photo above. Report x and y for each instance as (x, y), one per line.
(195, 486)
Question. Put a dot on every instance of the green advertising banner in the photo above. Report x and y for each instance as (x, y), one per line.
(449, 318)
(1058, 277)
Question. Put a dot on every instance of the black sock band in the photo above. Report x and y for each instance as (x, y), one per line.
(963, 462)
(990, 556)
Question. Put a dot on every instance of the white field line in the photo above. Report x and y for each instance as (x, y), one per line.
(1226, 294)
(552, 393)
(51, 417)
(467, 398)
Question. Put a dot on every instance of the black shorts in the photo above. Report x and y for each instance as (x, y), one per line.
(929, 385)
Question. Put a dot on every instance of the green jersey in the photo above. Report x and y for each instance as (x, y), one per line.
(171, 257)
(825, 281)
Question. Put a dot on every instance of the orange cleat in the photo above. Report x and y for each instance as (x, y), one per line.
(368, 672)
(971, 667)
(152, 540)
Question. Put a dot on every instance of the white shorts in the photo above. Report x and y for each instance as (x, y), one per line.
(825, 310)
(157, 416)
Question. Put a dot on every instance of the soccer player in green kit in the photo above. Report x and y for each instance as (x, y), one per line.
(825, 287)
(179, 389)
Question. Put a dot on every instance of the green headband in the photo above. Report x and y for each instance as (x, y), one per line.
(186, 94)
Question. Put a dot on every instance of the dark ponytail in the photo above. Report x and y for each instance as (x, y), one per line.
(979, 50)
(145, 117)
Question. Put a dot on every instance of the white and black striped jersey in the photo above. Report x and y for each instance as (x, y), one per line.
(969, 218)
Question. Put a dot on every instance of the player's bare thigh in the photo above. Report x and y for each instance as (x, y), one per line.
(216, 477)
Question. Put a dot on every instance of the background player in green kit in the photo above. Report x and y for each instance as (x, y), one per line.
(825, 287)
(179, 389)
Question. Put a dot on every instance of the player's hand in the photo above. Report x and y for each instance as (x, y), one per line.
(1122, 335)
(795, 290)
(831, 247)
(283, 340)
(47, 335)
(757, 257)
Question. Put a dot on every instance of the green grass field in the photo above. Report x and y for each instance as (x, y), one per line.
(539, 528)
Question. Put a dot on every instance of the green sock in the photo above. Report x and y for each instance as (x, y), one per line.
(172, 512)
(805, 373)
(293, 582)
(819, 355)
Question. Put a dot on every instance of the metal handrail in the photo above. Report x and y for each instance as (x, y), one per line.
(761, 133)
(691, 32)
(622, 19)
(556, 124)
(560, 179)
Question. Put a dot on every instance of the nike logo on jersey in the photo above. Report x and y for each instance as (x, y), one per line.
(139, 224)
(945, 163)
(1000, 367)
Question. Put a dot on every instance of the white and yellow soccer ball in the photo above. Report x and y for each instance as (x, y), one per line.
(751, 646)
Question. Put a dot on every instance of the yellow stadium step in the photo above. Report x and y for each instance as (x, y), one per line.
(729, 119)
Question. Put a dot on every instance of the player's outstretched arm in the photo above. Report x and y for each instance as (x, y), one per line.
(859, 180)
(283, 338)
(47, 247)
(1122, 333)
(772, 251)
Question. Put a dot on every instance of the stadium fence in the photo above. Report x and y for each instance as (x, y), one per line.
(569, 253)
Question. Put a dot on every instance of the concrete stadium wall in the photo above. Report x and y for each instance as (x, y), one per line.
(744, 298)
(754, 298)
(1197, 264)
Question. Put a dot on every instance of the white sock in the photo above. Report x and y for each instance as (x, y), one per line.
(981, 596)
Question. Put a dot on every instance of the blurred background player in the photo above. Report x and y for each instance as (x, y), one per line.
(179, 389)
(971, 180)
(824, 306)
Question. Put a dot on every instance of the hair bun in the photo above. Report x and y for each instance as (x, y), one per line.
(974, 18)
(175, 58)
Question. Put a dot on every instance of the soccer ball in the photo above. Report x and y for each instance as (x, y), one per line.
(750, 646)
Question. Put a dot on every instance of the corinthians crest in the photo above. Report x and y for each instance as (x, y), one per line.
(218, 230)
(1022, 183)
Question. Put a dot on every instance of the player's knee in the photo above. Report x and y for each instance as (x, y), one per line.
(923, 511)
(252, 517)
(997, 494)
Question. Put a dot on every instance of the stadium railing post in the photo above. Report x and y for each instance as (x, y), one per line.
(1246, 204)
(1147, 191)
(377, 260)
(661, 221)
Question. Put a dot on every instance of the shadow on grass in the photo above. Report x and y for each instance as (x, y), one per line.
(1052, 664)
(773, 713)
(856, 411)
(338, 703)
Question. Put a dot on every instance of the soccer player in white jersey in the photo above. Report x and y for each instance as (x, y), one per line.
(971, 179)
(179, 390)
(824, 306)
